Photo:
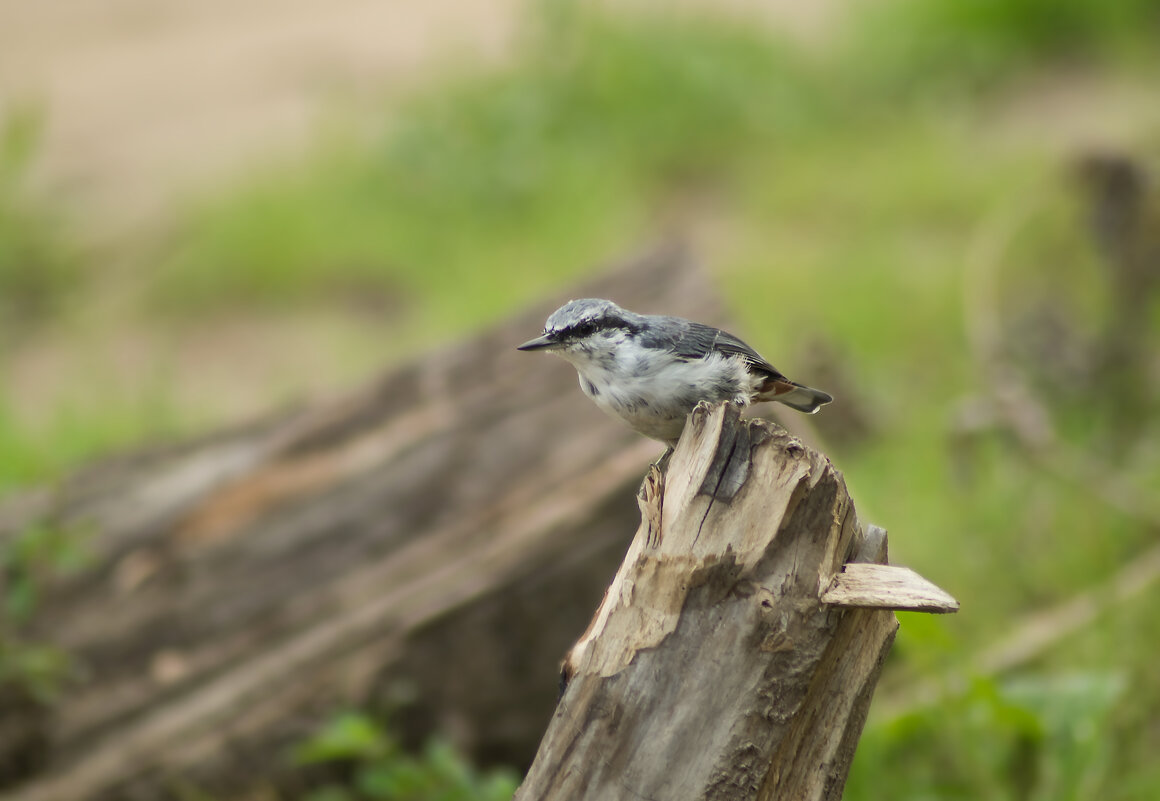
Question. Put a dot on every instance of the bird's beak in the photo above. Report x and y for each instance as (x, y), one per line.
(539, 343)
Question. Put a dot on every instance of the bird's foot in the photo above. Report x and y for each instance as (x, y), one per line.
(662, 463)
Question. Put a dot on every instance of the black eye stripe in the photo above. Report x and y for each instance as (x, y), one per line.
(588, 327)
(579, 330)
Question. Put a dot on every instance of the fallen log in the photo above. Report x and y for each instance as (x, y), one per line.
(733, 657)
(467, 509)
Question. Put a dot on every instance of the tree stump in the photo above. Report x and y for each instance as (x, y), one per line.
(732, 657)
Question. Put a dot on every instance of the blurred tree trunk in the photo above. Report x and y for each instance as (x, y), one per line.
(429, 544)
(1124, 212)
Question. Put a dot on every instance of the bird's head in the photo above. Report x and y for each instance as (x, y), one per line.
(583, 329)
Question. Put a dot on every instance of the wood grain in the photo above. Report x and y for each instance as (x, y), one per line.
(887, 587)
(712, 669)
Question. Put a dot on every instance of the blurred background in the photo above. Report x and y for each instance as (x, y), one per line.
(945, 213)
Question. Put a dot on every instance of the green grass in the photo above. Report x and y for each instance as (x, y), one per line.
(853, 185)
(870, 255)
(492, 189)
(38, 262)
(72, 433)
(929, 48)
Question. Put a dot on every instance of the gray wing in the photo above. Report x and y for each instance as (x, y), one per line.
(696, 341)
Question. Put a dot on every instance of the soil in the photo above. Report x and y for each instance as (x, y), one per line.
(145, 99)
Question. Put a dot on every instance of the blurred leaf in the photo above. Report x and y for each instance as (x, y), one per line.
(350, 736)
(382, 772)
(19, 598)
(331, 792)
(1036, 734)
(37, 670)
(30, 559)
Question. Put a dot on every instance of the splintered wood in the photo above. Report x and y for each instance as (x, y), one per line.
(713, 668)
(887, 587)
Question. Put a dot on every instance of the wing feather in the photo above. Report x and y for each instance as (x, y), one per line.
(698, 341)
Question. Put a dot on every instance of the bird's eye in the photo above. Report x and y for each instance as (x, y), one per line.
(581, 330)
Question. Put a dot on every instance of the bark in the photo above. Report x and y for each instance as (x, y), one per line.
(713, 668)
(428, 544)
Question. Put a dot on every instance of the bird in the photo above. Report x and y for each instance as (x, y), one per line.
(650, 370)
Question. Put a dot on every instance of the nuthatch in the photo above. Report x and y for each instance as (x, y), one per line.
(650, 370)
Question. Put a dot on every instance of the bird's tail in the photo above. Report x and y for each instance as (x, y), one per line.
(796, 396)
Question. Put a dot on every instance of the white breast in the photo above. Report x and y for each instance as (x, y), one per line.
(654, 392)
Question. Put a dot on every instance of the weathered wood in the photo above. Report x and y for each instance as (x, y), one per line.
(887, 587)
(712, 669)
(464, 510)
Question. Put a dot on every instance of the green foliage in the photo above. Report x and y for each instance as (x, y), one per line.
(30, 559)
(80, 429)
(1030, 27)
(380, 771)
(494, 186)
(34, 669)
(489, 187)
(928, 44)
(37, 266)
(27, 562)
(845, 190)
(1033, 737)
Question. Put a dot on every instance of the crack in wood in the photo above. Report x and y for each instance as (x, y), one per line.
(729, 469)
